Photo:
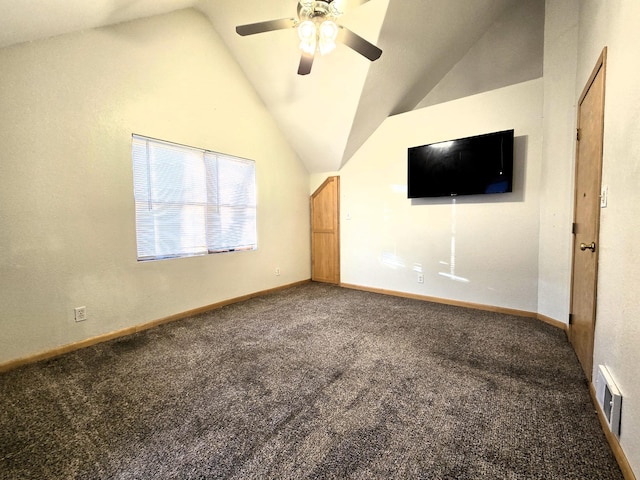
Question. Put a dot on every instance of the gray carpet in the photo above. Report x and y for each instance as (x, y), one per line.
(312, 382)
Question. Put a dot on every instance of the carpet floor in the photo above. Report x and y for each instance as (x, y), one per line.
(313, 382)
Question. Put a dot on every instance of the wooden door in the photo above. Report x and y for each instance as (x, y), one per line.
(587, 216)
(325, 232)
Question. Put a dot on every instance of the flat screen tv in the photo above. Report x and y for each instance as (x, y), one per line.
(482, 164)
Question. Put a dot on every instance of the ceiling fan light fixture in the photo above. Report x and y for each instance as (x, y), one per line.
(307, 34)
(306, 13)
(335, 8)
(328, 34)
(328, 30)
(326, 46)
(307, 30)
(317, 30)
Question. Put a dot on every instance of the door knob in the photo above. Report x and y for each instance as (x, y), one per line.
(591, 246)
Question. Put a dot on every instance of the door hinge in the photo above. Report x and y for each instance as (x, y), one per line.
(574, 228)
(570, 318)
(578, 134)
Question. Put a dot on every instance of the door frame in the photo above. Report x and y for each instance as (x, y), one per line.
(600, 68)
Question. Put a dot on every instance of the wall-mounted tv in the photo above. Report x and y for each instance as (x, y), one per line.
(466, 166)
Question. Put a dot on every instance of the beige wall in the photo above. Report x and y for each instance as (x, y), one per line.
(557, 169)
(614, 23)
(68, 108)
(489, 242)
(576, 33)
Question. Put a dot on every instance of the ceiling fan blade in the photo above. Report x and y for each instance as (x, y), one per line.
(359, 44)
(260, 27)
(306, 62)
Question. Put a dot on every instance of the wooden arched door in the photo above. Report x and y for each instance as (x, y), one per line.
(325, 232)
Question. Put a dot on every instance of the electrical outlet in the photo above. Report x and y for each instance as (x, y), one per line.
(277, 271)
(420, 278)
(80, 314)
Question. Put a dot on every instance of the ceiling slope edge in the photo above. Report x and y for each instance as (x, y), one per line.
(422, 49)
(510, 52)
(41, 19)
(314, 112)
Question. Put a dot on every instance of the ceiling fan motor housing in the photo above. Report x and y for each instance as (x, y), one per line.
(318, 9)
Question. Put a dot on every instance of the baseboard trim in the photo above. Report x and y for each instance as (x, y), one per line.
(614, 443)
(553, 322)
(55, 352)
(458, 303)
(446, 301)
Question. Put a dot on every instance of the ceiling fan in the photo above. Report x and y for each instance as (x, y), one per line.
(318, 31)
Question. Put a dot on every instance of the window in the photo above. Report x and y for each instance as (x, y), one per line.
(191, 201)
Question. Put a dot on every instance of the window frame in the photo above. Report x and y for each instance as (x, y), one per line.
(224, 209)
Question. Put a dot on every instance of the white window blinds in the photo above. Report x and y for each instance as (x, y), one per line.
(191, 201)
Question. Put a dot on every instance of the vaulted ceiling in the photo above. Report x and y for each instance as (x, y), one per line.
(433, 50)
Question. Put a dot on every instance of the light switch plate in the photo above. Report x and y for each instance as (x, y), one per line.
(604, 196)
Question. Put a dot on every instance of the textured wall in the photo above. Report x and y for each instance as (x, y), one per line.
(69, 106)
(613, 23)
(557, 172)
(491, 241)
(510, 51)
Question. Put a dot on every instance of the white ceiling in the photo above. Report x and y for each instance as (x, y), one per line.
(327, 115)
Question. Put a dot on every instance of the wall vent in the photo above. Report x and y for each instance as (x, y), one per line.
(609, 399)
